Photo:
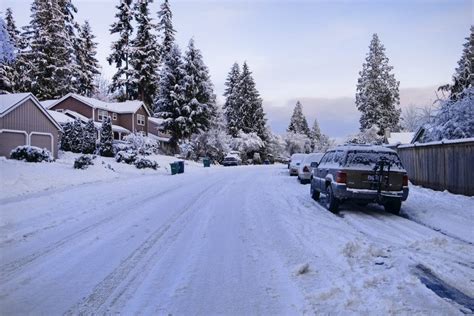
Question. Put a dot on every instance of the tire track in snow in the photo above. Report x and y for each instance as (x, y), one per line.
(9, 269)
(106, 290)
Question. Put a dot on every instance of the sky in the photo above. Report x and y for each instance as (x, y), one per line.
(306, 50)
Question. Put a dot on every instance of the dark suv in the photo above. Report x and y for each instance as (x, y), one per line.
(363, 173)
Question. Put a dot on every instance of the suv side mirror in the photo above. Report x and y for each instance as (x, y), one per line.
(314, 165)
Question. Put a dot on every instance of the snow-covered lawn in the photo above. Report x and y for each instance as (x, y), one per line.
(240, 240)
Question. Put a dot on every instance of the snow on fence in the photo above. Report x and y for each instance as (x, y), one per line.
(444, 165)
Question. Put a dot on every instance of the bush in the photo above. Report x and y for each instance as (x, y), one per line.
(83, 162)
(128, 157)
(142, 163)
(144, 145)
(31, 154)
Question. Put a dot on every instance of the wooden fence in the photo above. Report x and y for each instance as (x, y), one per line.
(441, 165)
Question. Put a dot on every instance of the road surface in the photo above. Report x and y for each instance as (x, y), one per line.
(235, 241)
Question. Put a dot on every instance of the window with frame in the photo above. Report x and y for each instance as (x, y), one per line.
(101, 115)
(114, 116)
(141, 119)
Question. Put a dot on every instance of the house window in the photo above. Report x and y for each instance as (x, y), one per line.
(114, 116)
(102, 114)
(141, 119)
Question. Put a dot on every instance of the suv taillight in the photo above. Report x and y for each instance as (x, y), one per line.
(305, 169)
(341, 177)
(405, 181)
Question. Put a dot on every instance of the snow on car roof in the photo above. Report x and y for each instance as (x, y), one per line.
(364, 148)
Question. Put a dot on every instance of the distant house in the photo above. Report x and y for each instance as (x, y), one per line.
(127, 117)
(395, 139)
(23, 121)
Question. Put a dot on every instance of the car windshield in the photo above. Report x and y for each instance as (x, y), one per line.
(313, 158)
(370, 158)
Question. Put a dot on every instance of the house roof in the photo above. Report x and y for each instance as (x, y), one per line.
(156, 120)
(47, 103)
(61, 118)
(8, 102)
(118, 107)
(400, 138)
(74, 115)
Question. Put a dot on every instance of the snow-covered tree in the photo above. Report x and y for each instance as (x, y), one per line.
(298, 122)
(146, 54)
(106, 147)
(324, 143)
(77, 136)
(413, 117)
(231, 105)
(89, 138)
(170, 99)
(199, 99)
(7, 58)
(65, 140)
(315, 133)
(377, 96)
(87, 63)
(165, 26)
(214, 143)
(102, 91)
(123, 79)
(297, 143)
(250, 105)
(276, 145)
(247, 144)
(369, 136)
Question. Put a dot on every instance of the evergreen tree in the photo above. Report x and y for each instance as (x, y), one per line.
(298, 122)
(146, 55)
(89, 138)
(315, 134)
(86, 49)
(231, 106)
(377, 94)
(11, 28)
(77, 136)
(106, 147)
(165, 25)
(170, 99)
(65, 142)
(199, 99)
(7, 58)
(250, 104)
(123, 79)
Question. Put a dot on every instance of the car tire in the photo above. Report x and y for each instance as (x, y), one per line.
(332, 203)
(393, 206)
(315, 194)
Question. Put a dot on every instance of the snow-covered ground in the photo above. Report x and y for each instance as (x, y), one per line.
(240, 240)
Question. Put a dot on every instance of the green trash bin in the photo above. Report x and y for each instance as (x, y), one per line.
(174, 168)
(207, 162)
(180, 166)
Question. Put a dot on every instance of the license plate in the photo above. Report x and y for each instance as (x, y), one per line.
(372, 177)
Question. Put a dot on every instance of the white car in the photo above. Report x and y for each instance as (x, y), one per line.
(305, 169)
(295, 161)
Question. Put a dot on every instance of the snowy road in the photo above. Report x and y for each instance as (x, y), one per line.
(244, 240)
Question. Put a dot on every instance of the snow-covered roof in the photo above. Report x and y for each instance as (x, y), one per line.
(118, 107)
(156, 120)
(159, 138)
(72, 115)
(47, 103)
(439, 142)
(61, 118)
(7, 101)
(400, 138)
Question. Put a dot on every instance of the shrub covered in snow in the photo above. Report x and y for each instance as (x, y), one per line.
(82, 162)
(31, 154)
(368, 136)
(106, 148)
(142, 163)
(213, 144)
(247, 143)
(144, 145)
(128, 157)
(297, 143)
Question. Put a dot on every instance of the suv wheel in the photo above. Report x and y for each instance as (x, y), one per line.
(315, 194)
(393, 206)
(332, 203)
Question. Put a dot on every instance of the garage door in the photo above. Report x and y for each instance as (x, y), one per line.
(42, 141)
(9, 140)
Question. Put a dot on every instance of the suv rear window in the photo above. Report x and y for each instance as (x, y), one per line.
(370, 158)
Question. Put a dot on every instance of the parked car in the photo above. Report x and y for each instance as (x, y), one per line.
(362, 173)
(295, 161)
(231, 161)
(305, 169)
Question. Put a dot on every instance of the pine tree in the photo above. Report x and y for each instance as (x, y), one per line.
(315, 134)
(377, 94)
(250, 104)
(77, 136)
(170, 99)
(165, 16)
(146, 57)
(199, 98)
(65, 142)
(89, 138)
(123, 79)
(298, 122)
(106, 147)
(7, 58)
(231, 106)
(464, 72)
(86, 49)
